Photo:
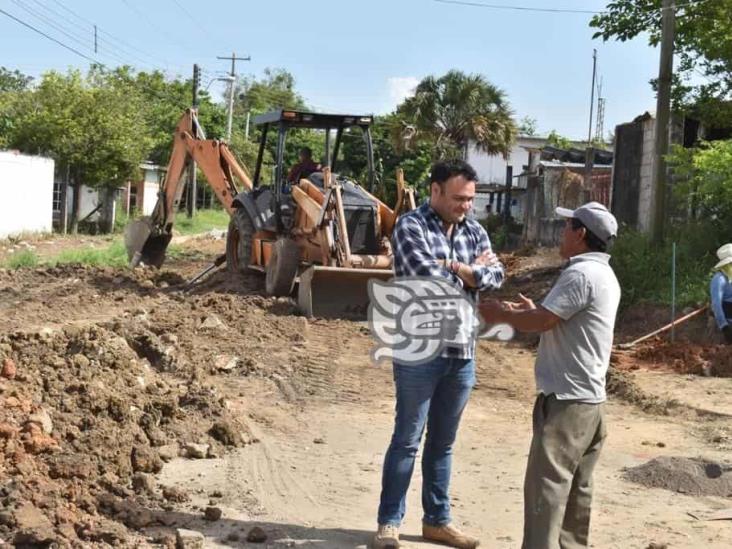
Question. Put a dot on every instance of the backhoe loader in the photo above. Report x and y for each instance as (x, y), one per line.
(325, 233)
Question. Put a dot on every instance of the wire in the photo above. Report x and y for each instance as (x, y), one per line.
(196, 22)
(89, 27)
(74, 37)
(152, 25)
(551, 10)
(515, 8)
(77, 52)
(120, 43)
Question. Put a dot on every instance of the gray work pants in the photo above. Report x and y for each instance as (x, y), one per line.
(568, 436)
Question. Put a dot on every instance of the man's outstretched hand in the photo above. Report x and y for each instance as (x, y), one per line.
(524, 304)
(494, 311)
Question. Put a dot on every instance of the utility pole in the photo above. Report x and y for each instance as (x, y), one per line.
(192, 184)
(590, 151)
(95, 39)
(232, 85)
(507, 203)
(663, 116)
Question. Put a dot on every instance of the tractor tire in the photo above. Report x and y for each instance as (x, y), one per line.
(282, 268)
(239, 242)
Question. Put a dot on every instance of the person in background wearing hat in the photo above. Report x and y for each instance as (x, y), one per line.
(721, 291)
(576, 320)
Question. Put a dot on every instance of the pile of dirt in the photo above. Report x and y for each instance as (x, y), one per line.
(87, 417)
(693, 477)
(685, 357)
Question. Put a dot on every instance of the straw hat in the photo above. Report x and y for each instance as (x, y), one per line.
(725, 256)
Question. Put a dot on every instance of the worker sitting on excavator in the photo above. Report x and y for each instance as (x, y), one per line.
(304, 167)
(721, 291)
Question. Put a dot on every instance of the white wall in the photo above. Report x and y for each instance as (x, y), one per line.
(492, 168)
(149, 196)
(90, 198)
(26, 193)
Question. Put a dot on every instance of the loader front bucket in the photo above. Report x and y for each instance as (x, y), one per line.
(337, 292)
(145, 243)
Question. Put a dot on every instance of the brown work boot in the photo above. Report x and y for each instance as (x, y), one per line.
(449, 535)
(387, 537)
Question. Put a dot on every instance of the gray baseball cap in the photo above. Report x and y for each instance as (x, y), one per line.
(596, 218)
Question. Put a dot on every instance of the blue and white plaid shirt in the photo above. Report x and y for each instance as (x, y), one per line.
(419, 243)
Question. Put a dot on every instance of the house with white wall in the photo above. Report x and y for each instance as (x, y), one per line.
(492, 168)
(26, 193)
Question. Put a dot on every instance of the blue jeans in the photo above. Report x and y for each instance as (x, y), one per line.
(435, 395)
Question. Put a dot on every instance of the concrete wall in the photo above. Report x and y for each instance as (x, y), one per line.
(26, 193)
(645, 196)
(149, 196)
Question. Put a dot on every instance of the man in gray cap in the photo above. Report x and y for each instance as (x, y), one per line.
(576, 320)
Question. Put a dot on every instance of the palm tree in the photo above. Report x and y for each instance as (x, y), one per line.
(456, 109)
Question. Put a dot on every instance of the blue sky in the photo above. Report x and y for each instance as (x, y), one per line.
(354, 55)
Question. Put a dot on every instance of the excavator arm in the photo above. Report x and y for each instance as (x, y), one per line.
(147, 238)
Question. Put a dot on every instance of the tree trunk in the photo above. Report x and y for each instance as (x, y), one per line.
(107, 217)
(75, 206)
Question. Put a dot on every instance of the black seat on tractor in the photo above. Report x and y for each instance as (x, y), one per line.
(360, 210)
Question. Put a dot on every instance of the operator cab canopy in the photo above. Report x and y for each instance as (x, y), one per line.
(300, 119)
(282, 120)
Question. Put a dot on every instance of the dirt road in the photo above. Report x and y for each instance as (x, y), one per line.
(315, 416)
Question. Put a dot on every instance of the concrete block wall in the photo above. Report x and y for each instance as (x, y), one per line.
(26, 193)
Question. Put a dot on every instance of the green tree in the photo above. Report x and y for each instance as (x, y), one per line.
(456, 109)
(704, 176)
(12, 83)
(89, 125)
(703, 45)
(165, 101)
(13, 80)
(415, 161)
(275, 89)
(558, 141)
(527, 126)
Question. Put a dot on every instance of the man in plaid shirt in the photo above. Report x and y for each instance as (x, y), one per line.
(435, 240)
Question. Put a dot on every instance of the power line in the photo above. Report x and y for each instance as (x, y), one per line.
(195, 21)
(120, 43)
(73, 37)
(152, 25)
(87, 28)
(551, 10)
(516, 8)
(77, 52)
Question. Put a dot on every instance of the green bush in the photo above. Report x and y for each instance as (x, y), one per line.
(503, 235)
(644, 269)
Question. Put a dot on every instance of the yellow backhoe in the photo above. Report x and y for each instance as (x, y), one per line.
(325, 234)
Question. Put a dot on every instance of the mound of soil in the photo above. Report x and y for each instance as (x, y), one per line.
(688, 358)
(694, 477)
(87, 415)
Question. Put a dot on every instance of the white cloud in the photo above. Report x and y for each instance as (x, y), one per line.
(401, 87)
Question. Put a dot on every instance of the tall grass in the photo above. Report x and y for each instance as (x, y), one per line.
(644, 269)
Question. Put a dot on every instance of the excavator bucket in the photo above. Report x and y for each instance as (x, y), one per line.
(145, 244)
(337, 292)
